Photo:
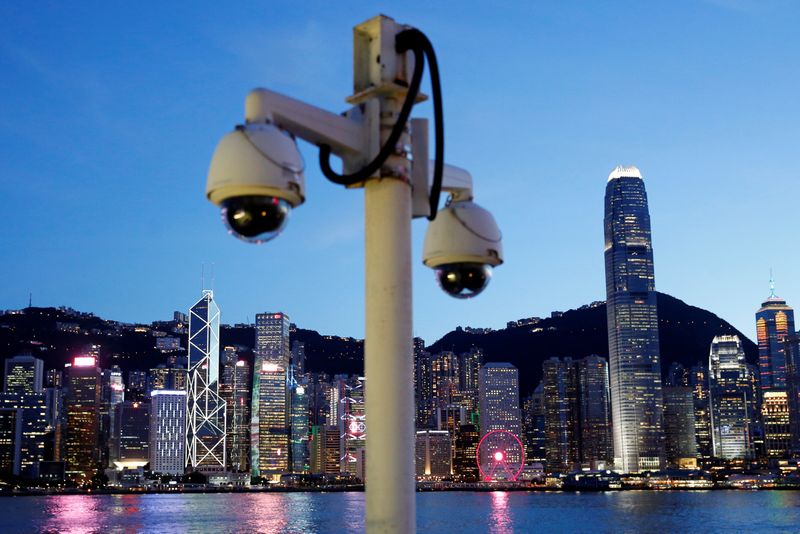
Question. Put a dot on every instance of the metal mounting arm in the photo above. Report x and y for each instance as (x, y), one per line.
(346, 136)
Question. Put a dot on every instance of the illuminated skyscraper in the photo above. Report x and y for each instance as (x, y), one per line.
(235, 390)
(423, 385)
(299, 430)
(130, 438)
(24, 374)
(729, 395)
(269, 429)
(679, 428)
(634, 363)
(498, 385)
(205, 409)
(534, 427)
(27, 415)
(792, 348)
(562, 430)
(167, 446)
(352, 423)
(464, 467)
(82, 403)
(272, 339)
(774, 325)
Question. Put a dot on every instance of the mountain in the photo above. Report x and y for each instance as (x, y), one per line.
(56, 335)
(685, 334)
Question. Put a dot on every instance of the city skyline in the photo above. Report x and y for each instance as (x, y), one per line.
(708, 136)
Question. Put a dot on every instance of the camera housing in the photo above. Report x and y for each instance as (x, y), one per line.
(461, 245)
(256, 177)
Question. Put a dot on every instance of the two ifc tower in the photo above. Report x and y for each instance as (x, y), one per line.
(634, 363)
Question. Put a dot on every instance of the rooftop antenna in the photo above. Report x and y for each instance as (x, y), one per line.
(202, 276)
(212, 276)
(30, 300)
(771, 284)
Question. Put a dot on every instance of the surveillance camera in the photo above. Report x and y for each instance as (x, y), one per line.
(462, 242)
(256, 178)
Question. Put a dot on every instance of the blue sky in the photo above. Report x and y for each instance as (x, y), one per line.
(110, 114)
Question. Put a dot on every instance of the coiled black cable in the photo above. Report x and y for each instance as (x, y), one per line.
(415, 41)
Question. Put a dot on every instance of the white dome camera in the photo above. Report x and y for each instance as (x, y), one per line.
(461, 243)
(256, 177)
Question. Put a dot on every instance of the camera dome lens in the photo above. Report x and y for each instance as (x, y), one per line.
(463, 280)
(255, 219)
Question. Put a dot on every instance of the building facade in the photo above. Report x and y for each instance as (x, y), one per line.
(205, 409)
(729, 397)
(82, 433)
(167, 444)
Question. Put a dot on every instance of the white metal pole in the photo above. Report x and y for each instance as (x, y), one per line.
(388, 361)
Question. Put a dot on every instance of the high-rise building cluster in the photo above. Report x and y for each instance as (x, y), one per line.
(253, 411)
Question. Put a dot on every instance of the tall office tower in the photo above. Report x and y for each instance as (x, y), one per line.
(299, 357)
(205, 409)
(352, 423)
(112, 392)
(792, 348)
(729, 391)
(299, 429)
(26, 413)
(634, 362)
(594, 400)
(130, 438)
(8, 432)
(235, 391)
(82, 403)
(498, 385)
(469, 369)
(445, 380)
(534, 427)
(325, 450)
(679, 428)
(698, 380)
(167, 446)
(269, 428)
(423, 384)
(433, 454)
(464, 467)
(561, 414)
(24, 374)
(774, 325)
(272, 339)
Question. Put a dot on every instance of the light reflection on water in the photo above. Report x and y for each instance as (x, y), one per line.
(496, 512)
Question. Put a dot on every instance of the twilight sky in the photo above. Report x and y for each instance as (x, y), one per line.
(110, 114)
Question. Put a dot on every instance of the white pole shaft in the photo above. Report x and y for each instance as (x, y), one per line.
(388, 360)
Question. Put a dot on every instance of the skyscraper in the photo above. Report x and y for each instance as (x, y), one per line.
(269, 430)
(679, 428)
(498, 385)
(774, 325)
(634, 362)
(205, 409)
(235, 390)
(729, 395)
(561, 414)
(594, 404)
(433, 459)
(130, 437)
(272, 339)
(167, 446)
(24, 374)
(82, 403)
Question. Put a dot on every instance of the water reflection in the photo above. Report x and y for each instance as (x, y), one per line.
(72, 514)
(500, 517)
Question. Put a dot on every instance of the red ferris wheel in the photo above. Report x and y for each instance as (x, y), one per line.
(500, 456)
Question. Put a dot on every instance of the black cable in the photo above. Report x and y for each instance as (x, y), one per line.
(438, 121)
(417, 42)
(406, 40)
